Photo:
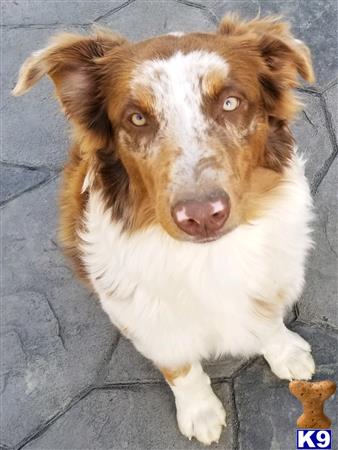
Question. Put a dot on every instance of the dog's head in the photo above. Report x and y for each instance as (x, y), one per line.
(179, 129)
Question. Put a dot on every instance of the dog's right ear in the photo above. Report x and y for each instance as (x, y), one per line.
(72, 61)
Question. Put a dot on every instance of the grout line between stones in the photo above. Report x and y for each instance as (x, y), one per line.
(310, 90)
(43, 428)
(307, 118)
(114, 10)
(42, 26)
(59, 331)
(330, 85)
(321, 325)
(103, 370)
(128, 385)
(297, 313)
(235, 420)
(29, 167)
(44, 182)
(192, 4)
(321, 173)
(243, 367)
(144, 382)
(201, 7)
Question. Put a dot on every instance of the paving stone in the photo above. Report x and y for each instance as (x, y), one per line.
(224, 367)
(32, 12)
(306, 18)
(15, 179)
(319, 301)
(55, 338)
(129, 366)
(311, 134)
(331, 97)
(144, 19)
(267, 411)
(138, 417)
(42, 138)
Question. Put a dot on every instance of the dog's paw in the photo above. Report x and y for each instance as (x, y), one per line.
(202, 418)
(292, 359)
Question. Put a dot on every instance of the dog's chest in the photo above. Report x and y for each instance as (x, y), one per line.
(171, 300)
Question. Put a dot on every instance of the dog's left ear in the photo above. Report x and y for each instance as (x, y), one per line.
(74, 63)
(283, 58)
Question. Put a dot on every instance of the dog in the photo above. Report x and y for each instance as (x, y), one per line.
(184, 203)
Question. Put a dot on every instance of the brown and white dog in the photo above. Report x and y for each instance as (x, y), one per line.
(184, 203)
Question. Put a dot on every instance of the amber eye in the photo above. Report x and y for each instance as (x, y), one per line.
(138, 119)
(231, 103)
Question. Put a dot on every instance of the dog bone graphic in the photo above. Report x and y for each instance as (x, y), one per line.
(312, 395)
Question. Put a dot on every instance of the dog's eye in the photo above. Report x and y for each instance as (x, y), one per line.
(231, 103)
(138, 119)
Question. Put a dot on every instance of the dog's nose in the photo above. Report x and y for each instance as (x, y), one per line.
(202, 218)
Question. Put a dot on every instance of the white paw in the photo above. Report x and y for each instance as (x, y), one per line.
(291, 358)
(202, 418)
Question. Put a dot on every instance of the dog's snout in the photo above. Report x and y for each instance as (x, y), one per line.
(202, 218)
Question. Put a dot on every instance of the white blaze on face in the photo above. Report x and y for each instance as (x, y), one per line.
(176, 84)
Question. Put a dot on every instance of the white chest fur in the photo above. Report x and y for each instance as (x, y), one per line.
(181, 302)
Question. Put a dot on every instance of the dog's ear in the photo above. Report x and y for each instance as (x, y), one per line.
(72, 61)
(283, 58)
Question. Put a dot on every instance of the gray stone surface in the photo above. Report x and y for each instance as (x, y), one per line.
(141, 20)
(56, 338)
(34, 129)
(267, 411)
(319, 301)
(312, 138)
(331, 98)
(68, 381)
(14, 180)
(314, 21)
(137, 417)
(30, 12)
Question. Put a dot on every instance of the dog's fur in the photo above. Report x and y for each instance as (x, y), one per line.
(178, 299)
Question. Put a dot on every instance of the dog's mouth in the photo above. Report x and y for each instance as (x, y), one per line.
(207, 239)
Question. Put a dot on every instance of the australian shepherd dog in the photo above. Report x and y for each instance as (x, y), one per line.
(184, 204)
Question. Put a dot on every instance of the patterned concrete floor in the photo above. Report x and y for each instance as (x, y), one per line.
(68, 379)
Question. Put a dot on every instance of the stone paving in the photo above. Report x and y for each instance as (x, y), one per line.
(68, 379)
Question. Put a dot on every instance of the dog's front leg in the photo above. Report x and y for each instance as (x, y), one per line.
(200, 413)
(287, 353)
